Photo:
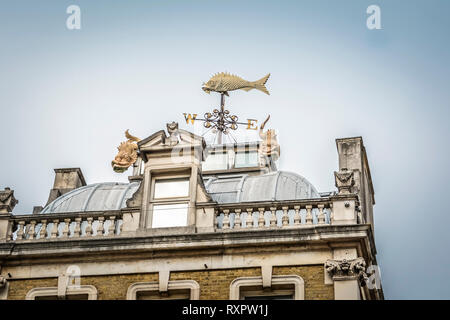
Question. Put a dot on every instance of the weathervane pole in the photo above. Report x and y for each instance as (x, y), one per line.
(221, 118)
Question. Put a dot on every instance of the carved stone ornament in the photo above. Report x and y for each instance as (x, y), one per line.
(344, 181)
(172, 129)
(127, 155)
(269, 145)
(7, 200)
(2, 282)
(347, 268)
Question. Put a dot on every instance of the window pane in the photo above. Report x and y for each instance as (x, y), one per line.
(216, 161)
(246, 159)
(170, 215)
(174, 188)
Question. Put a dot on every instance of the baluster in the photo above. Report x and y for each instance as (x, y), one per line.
(237, 219)
(112, 226)
(321, 216)
(226, 219)
(297, 218)
(88, 231)
(66, 229)
(285, 218)
(55, 228)
(331, 213)
(43, 231)
(261, 219)
(249, 220)
(309, 217)
(273, 216)
(10, 234)
(31, 230)
(77, 229)
(216, 213)
(20, 231)
(100, 226)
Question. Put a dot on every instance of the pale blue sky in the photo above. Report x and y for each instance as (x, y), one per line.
(67, 96)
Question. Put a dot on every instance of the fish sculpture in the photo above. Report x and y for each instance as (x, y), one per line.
(127, 155)
(224, 82)
(269, 145)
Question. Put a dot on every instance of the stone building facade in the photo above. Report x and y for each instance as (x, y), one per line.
(196, 222)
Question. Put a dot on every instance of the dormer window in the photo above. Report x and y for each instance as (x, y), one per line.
(246, 159)
(170, 202)
(171, 188)
(232, 158)
(216, 161)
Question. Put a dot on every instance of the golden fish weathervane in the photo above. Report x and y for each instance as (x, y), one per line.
(223, 82)
(220, 120)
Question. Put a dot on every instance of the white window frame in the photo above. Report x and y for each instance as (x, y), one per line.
(137, 287)
(170, 200)
(297, 281)
(91, 292)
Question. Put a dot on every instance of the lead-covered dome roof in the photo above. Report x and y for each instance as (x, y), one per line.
(274, 186)
(93, 197)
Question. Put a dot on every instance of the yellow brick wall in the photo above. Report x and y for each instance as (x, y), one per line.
(315, 289)
(214, 284)
(18, 289)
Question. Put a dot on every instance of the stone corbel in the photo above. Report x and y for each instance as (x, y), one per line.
(347, 269)
(62, 286)
(266, 272)
(164, 280)
(344, 181)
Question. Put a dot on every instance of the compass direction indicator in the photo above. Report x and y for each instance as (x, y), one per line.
(221, 120)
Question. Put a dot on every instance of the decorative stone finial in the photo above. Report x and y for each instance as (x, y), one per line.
(344, 181)
(172, 129)
(7, 200)
(347, 268)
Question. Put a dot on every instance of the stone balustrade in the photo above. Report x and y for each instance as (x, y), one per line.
(299, 213)
(65, 225)
(336, 210)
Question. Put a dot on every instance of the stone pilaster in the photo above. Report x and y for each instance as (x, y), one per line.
(3, 288)
(7, 204)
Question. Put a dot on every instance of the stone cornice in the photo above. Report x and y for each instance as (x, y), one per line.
(143, 243)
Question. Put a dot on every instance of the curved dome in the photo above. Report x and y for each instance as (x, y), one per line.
(94, 197)
(274, 186)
